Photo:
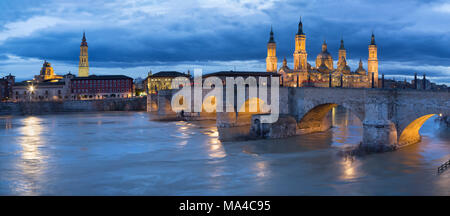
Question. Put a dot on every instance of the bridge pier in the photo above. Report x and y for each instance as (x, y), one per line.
(230, 128)
(379, 137)
(152, 103)
(161, 106)
(379, 132)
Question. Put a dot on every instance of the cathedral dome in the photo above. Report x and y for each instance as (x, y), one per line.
(324, 57)
(360, 69)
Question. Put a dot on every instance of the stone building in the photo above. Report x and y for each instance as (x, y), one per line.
(162, 80)
(42, 91)
(6, 84)
(101, 87)
(325, 74)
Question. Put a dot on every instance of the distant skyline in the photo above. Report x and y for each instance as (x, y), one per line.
(133, 37)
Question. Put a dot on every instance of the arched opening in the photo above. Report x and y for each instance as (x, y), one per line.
(240, 121)
(410, 134)
(314, 120)
(209, 108)
(251, 107)
(180, 104)
(346, 124)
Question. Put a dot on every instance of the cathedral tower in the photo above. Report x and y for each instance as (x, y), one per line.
(300, 55)
(372, 65)
(83, 66)
(271, 60)
(342, 53)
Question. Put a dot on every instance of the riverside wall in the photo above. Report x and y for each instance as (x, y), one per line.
(49, 107)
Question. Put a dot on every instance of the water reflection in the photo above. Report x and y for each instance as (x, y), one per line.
(347, 127)
(261, 169)
(348, 166)
(216, 149)
(8, 123)
(32, 162)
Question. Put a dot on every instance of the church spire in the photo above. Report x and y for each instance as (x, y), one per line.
(83, 41)
(342, 44)
(271, 40)
(300, 27)
(372, 41)
(324, 46)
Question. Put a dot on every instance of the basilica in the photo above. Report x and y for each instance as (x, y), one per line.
(324, 73)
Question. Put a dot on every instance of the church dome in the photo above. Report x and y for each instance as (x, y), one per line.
(360, 69)
(324, 57)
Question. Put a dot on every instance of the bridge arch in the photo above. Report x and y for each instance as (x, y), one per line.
(314, 119)
(410, 134)
(209, 107)
(250, 107)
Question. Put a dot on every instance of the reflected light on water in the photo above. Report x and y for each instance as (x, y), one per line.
(261, 168)
(8, 123)
(216, 149)
(349, 171)
(32, 162)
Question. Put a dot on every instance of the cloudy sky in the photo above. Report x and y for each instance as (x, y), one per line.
(134, 36)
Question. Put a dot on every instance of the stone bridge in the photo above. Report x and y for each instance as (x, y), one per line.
(391, 117)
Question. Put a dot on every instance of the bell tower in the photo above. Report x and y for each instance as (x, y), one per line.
(300, 55)
(271, 60)
(372, 63)
(83, 66)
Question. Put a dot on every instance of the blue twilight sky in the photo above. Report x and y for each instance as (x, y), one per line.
(135, 36)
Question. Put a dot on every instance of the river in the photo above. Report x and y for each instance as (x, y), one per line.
(124, 153)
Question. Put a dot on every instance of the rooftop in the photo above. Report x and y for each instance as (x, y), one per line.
(169, 74)
(102, 77)
(241, 73)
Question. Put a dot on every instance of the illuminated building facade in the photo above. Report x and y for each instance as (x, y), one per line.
(42, 91)
(271, 60)
(47, 74)
(101, 87)
(325, 74)
(162, 80)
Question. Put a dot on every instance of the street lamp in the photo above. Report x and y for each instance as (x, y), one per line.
(31, 90)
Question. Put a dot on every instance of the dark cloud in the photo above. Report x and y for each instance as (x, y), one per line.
(126, 35)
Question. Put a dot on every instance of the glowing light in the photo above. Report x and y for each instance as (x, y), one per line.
(440, 114)
(31, 88)
(410, 134)
(216, 149)
(348, 169)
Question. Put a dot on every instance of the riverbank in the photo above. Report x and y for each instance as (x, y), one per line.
(49, 107)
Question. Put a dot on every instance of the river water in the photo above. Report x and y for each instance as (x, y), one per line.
(124, 153)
